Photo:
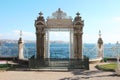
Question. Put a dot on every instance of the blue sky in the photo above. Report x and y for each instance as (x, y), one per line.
(98, 15)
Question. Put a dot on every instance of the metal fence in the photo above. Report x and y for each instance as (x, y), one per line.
(89, 50)
(55, 63)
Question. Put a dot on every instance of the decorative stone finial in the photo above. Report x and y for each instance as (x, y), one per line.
(20, 39)
(77, 13)
(117, 43)
(20, 33)
(40, 13)
(100, 41)
(59, 14)
(78, 17)
(100, 34)
(40, 18)
(59, 9)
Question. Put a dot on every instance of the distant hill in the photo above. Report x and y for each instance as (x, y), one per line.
(14, 41)
(27, 41)
(58, 42)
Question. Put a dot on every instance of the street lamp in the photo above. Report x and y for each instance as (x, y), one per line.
(117, 55)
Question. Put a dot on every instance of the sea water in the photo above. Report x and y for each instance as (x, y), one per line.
(57, 50)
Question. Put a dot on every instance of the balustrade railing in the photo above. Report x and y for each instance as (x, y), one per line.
(89, 50)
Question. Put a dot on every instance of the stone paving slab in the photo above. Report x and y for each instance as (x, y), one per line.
(92, 74)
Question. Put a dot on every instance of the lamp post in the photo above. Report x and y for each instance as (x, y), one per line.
(117, 55)
(117, 46)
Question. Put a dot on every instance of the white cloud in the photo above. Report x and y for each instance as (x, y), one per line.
(90, 38)
(117, 19)
(15, 34)
(59, 36)
(108, 35)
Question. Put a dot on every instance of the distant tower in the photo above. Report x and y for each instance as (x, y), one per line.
(20, 47)
(100, 47)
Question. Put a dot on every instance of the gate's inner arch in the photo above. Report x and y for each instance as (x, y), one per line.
(59, 44)
(56, 48)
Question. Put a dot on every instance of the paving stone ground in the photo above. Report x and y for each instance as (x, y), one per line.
(92, 74)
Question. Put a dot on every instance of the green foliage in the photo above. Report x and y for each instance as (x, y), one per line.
(105, 59)
(107, 67)
(4, 66)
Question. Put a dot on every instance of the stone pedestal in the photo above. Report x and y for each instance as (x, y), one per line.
(20, 49)
(100, 47)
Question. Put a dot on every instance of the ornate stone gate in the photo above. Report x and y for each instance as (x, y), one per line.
(59, 21)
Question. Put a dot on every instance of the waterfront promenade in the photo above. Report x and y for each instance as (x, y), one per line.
(92, 74)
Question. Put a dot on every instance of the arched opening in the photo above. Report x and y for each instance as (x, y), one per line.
(59, 44)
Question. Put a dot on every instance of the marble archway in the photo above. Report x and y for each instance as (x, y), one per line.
(59, 21)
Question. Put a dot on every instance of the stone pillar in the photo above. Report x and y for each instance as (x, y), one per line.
(100, 46)
(79, 46)
(71, 44)
(40, 44)
(20, 47)
(40, 33)
(78, 31)
(75, 45)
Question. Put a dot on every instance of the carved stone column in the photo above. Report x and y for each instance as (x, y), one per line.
(78, 31)
(75, 45)
(79, 39)
(40, 33)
